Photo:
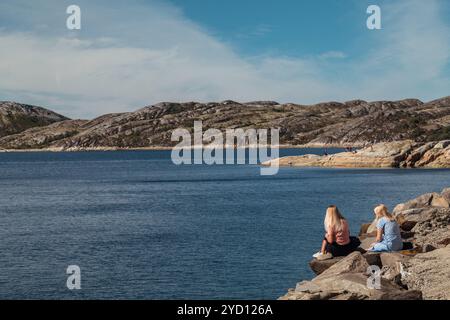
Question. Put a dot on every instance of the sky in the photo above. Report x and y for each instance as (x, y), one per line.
(130, 54)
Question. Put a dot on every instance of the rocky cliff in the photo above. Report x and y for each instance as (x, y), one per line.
(419, 273)
(354, 123)
(398, 154)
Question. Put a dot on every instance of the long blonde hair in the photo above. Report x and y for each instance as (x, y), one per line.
(382, 211)
(333, 219)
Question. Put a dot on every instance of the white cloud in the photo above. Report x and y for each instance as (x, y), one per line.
(159, 55)
(411, 57)
(333, 55)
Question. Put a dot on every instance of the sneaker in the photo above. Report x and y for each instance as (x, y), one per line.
(315, 255)
(325, 256)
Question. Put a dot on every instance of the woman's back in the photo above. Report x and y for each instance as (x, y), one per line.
(391, 233)
(343, 235)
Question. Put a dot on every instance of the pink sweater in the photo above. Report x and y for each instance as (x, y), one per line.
(341, 237)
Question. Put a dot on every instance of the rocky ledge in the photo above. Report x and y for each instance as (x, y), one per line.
(418, 273)
(398, 154)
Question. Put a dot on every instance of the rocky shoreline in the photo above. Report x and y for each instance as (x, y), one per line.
(156, 148)
(422, 272)
(397, 154)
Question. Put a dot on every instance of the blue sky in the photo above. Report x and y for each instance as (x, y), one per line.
(285, 27)
(139, 52)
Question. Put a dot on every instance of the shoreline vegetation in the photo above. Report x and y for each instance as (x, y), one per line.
(419, 273)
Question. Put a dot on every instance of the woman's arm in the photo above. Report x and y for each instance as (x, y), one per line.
(329, 236)
(379, 235)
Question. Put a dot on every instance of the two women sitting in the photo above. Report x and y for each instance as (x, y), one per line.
(338, 242)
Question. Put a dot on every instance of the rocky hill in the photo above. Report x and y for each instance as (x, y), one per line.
(418, 273)
(354, 123)
(16, 117)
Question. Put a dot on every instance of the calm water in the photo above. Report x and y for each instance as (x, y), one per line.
(141, 227)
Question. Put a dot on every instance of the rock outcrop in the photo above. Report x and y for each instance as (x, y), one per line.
(429, 273)
(347, 280)
(422, 272)
(398, 154)
(43, 137)
(353, 123)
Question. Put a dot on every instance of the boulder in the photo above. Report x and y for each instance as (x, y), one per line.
(423, 201)
(372, 228)
(409, 215)
(364, 228)
(354, 262)
(400, 218)
(392, 274)
(432, 227)
(307, 286)
(349, 286)
(392, 266)
(446, 194)
(419, 202)
(367, 242)
(439, 201)
(429, 273)
(319, 266)
(392, 259)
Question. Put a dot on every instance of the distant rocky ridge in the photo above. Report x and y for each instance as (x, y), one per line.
(354, 123)
(16, 117)
(419, 273)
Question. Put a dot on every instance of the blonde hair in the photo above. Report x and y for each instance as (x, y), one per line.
(333, 219)
(382, 211)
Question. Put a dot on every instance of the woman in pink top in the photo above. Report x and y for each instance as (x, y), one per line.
(337, 240)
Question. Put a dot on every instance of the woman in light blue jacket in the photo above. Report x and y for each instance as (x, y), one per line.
(388, 231)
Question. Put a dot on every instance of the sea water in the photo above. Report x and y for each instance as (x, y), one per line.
(140, 227)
